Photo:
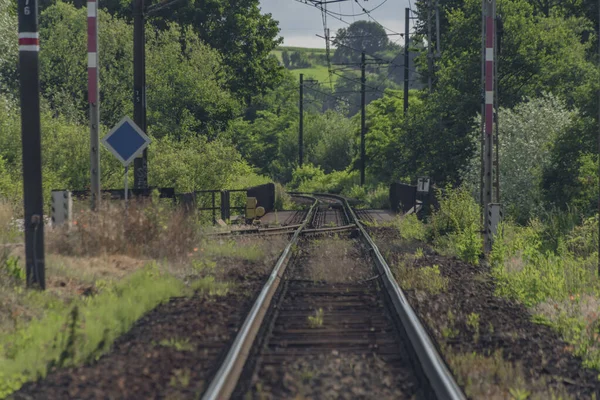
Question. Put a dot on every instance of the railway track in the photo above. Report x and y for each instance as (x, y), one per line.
(325, 308)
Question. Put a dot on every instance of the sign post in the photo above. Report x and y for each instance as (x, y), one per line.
(29, 47)
(126, 141)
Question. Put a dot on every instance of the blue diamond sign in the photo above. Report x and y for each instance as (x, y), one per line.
(126, 141)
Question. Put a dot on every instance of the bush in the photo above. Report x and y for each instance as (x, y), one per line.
(410, 227)
(526, 272)
(455, 225)
(376, 198)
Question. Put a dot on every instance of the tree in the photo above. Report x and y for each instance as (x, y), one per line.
(539, 54)
(362, 35)
(8, 46)
(187, 92)
(285, 57)
(528, 133)
(238, 30)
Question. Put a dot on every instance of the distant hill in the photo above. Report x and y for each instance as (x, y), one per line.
(311, 62)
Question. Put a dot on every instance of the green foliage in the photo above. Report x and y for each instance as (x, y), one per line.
(372, 197)
(196, 164)
(410, 227)
(13, 269)
(582, 241)
(81, 331)
(63, 63)
(316, 321)
(241, 33)
(526, 272)
(177, 344)
(473, 324)
(427, 279)
(283, 201)
(455, 225)
(8, 44)
(187, 96)
(233, 250)
(527, 133)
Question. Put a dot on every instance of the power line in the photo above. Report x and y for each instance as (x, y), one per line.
(326, 11)
(376, 58)
(363, 13)
(335, 97)
(370, 87)
(374, 20)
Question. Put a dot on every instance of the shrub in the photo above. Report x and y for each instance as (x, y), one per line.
(410, 227)
(527, 272)
(455, 225)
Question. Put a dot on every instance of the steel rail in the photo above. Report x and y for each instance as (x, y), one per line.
(437, 373)
(226, 378)
(257, 230)
(332, 229)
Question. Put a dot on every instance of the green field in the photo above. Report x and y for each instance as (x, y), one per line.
(317, 71)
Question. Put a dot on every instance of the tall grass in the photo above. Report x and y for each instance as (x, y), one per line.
(147, 229)
(455, 227)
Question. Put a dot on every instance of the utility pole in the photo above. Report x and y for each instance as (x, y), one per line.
(429, 48)
(301, 121)
(438, 39)
(33, 201)
(94, 101)
(140, 165)
(482, 123)
(301, 124)
(490, 21)
(496, 140)
(406, 59)
(363, 117)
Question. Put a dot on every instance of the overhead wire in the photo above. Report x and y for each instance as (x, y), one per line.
(335, 97)
(374, 20)
(360, 14)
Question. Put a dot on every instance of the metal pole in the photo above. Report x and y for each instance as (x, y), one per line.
(301, 123)
(598, 38)
(363, 117)
(94, 100)
(406, 60)
(496, 142)
(31, 138)
(490, 19)
(482, 124)
(126, 186)
(429, 48)
(438, 39)
(140, 175)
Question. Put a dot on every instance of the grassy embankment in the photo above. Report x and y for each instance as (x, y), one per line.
(103, 274)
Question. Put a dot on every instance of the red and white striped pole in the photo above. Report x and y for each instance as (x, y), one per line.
(490, 40)
(94, 100)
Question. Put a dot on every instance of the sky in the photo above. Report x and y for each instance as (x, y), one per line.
(299, 22)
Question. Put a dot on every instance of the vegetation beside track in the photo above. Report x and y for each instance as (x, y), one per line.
(548, 266)
(104, 273)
